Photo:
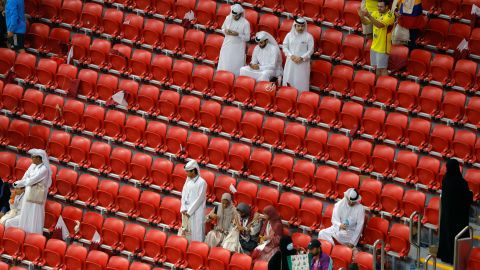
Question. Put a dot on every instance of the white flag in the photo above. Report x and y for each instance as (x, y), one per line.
(475, 10)
(62, 226)
(119, 98)
(232, 188)
(96, 237)
(463, 45)
(70, 55)
(189, 15)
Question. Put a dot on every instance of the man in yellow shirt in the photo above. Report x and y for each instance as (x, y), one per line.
(382, 21)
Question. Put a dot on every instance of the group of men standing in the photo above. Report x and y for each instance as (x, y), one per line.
(266, 63)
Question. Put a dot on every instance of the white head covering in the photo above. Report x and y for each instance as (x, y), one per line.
(41, 153)
(262, 35)
(237, 9)
(352, 195)
(191, 165)
(299, 20)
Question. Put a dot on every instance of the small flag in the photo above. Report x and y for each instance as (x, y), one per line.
(463, 45)
(475, 10)
(70, 55)
(189, 15)
(61, 230)
(95, 243)
(232, 189)
(119, 98)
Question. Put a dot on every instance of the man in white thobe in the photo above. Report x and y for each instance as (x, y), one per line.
(298, 47)
(237, 32)
(266, 59)
(193, 202)
(32, 214)
(347, 220)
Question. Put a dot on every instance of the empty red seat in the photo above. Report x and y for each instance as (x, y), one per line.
(218, 258)
(132, 237)
(464, 74)
(372, 122)
(91, 16)
(441, 139)
(472, 111)
(267, 196)
(360, 154)
(395, 127)
(431, 215)
(352, 47)
(329, 110)
(294, 135)
(70, 11)
(17, 133)
(463, 145)
(66, 181)
(457, 32)
(240, 261)
(331, 42)
(182, 74)
(24, 66)
(175, 249)
(7, 59)
(316, 143)
(363, 83)
(197, 254)
(259, 164)
(238, 157)
(418, 63)
(75, 257)
(154, 244)
(473, 182)
(112, 230)
(398, 240)
(72, 113)
(364, 260)
(169, 212)
(441, 67)
(418, 132)
(173, 37)
(7, 164)
(453, 106)
(57, 146)
(341, 256)
(301, 240)
(310, 213)
(205, 13)
(54, 252)
(307, 105)
(325, 178)
(312, 9)
(223, 184)
(246, 193)
(370, 190)
(413, 201)
(86, 187)
(269, 23)
(37, 35)
(435, 32)
(375, 229)
(65, 75)
(96, 258)
(337, 148)
(382, 159)
(427, 171)
(71, 215)
(320, 71)
(350, 15)
(288, 205)
(405, 164)
(91, 224)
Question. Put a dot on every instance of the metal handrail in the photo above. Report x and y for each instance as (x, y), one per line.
(427, 259)
(382, 254)
(416, 243)
(457, 237)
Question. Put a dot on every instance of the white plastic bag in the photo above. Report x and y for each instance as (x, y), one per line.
(400, 35)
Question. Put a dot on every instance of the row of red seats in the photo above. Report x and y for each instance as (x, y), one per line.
(154, 244)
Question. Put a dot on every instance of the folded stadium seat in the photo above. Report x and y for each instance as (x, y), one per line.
(434, 33)
(223, 11)
(126, 200)
(86, 187)
(161, 68)
(160, 173)
(217, 152)
(24, 66)
(284, 29)
(114, 124)
(18, 133)
(52, 212)
(117, 263)
(168, 104)
(263, 95)
(71, 215)
(131, 28)
(337, 148)
(106, 194)
(154, 244)
(441, 68)
(301, 240)
(395, 127)
(463, 146)
(31, 7)
(345, 181)
(457, 33)
(189, 110)
(238, 157)
(196, 255)
(7, 59)
(182, 74)
(427, 171)
(275, 6)
(176, 140)
(173, 38)
(91, 16)
(37, 35)
(243, 89)
(281, 169)
(320, 74)
(341, 256)
(139, 64)
(473, 180)
(269, 23)
(325, 178)
(134, 129)
(147, 99)
(33, 248)
(154, 135)
(472, 111)
(352, 47)
(230, 120)
(57, 41)
(11, 96)
(294, 137)
(66, 181)
(152, 32)
(398, 59)
(4, 123)
(272, 131)
(260, 265)
(112, 230)
(132, 238)
(418, 63)
(391, 200)
(364, 260)
(418, 132)
(181, 7)
(80, 45)
(251, 126)
(202, 78)
(72, 114)
(196, 146)
(350, 116)
(205, 14)
(266, 196)
(363, 84)
(65, 75)
(373, 122)
(259, 164)
(310, 213)
(375, 229)
(441, 140)
(211, 47)
(382, 160)
(316, 32)
(331, 42)
(209, 178)
(176, 249)
(474, 41)
(431, 215)
(222, 84)
(252, 17)
(75, 257)
(316, 143)
(88, 82)
(451, 8)
(96, 258)
(332, 11)
(193, 43)
(54, 252)
(407, 96)
(178, 177)
(7, 163)
(139, 266)
(288, 205)
(341, 79)
(140, 167)
(240, 261)
(398, 243)
(118, 57)
(70, 11)
(360, 154)
(413, 201)
(169, 212)
(148, 206)
(99, 156)
(453, 106)
(246, 193)
(218, 258)
(163, 7)
(307, 105)
(384, 90)
(464, 74)
(312, 9)
(58, 143)
(351, 17)
(404, 166)
(303, 175)
(91, 223)
(327, 221)
(370, 190)
(329, 110)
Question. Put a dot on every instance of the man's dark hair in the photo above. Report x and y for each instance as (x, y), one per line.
(387, 3)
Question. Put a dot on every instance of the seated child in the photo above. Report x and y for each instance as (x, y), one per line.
(10, 219)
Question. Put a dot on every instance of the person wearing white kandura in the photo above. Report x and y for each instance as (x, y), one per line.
(237, 32)
(298, 47)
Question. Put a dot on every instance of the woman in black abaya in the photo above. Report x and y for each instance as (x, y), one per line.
(279, 260)
(455, 207)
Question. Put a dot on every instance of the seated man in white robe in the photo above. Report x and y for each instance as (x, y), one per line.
(347, 220)
(266, 61)
(11, 218)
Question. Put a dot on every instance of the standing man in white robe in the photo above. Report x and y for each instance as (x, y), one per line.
(32, 214)
(266, 59)
(298, 47)
(237, 32)
(193, 202)
(347, 220)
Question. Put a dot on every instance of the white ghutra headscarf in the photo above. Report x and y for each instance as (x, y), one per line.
(297, 21)
(43, 155)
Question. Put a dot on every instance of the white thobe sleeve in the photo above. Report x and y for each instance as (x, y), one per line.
(224, 26)
(254, 60)
(39, 175)
(270, 63)
(286, 46)
(336, 216)
(358, 229)
(311, 47)
(245, 34)
(184, 195)
(200, 200)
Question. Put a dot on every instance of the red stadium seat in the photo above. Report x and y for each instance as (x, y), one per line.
(307, 105)
(152, 32)
(246, 193)
(427, 171)
(86, 187)
(435, 32)
(7, 59)
(463, 145)
(114, 125)
(240, 261)
(398, 240)
(154, 244)
(139, 63)
(222, 84)
(182, 74)
(303, 174)
(375, 229)
(202, 78)
(243, 89)
(75, 257)
(169, 212)
(331, 42)
(118, 57)
(320, 73)
(37, 35)
(24, 66)
(100, 49)
(395, 127)
(57, 146)
(197, 254)
(7, 164)
(316, 143)
(266, 196)
(238, 157)
(176, 140)
(54, 252)
(259, 164)
(440, 68)
(18, 133)
(370, 190)
(341, 256)
(193, 43)
(352, 46)
(106, 85)
(117, 263)
(382, 159)
(325, 178)
(441, 139)
(205, 13)
(222, 186)
(164, 7)
(384, 90)
(91, 223)
(96, 258)
(405, 164)
(300, 240)
(464, 74)
(66, 181)
(148, 205)
(391, 199)
(294, 137)
(71, 215)
(413, 201)
(430, 100)
(70, 11)
(288, 205)
(372, 122)
(218, 258)
(329, 110)
(453, 106)
(418, 63)
(337, 148)
(131, 28)
(80, 45)
(333, 12)
(472, 111)
(345, 181)
(173, 38)
(363, 84)
(360, 154)
(65, 75)
(269, 23)
(175, 249)
(91, 15)
(139, 266)
(112, 231)
(132, 238)
(72, 113)
(189, 109)
(418, 132)
(211, 47)
(78, 150)
(350, 15)
(457, 32)
(310, 213)
(407, 95)
(473, 182)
